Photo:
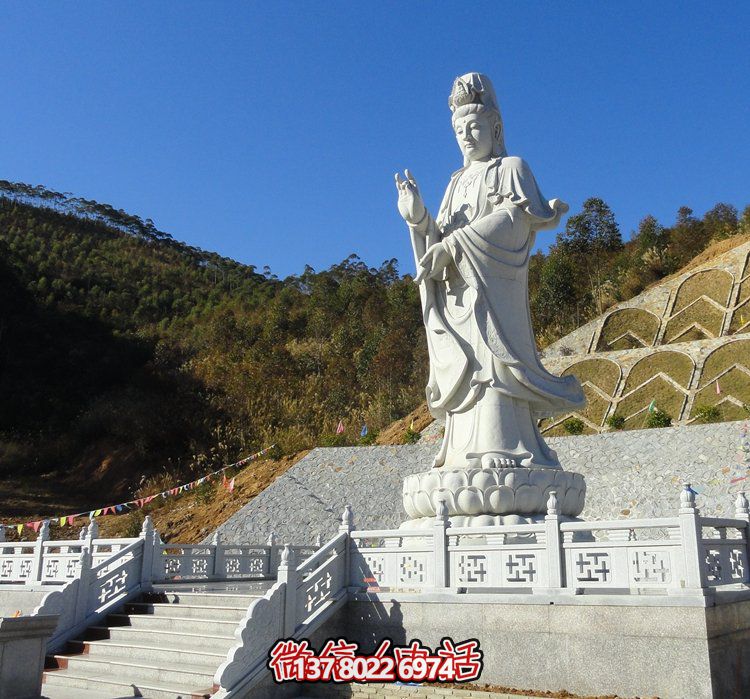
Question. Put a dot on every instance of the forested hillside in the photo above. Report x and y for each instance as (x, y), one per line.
(124, 352)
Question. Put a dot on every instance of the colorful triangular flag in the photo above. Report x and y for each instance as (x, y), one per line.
(718, 389)
(340, 428)
(363, 431)
(652, 406)
(231, 486)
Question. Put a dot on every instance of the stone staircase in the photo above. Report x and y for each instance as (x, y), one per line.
(167, 645)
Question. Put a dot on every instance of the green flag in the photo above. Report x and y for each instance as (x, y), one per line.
(652, 406)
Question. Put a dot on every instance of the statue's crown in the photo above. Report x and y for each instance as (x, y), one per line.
(463, 93)
(472, 88)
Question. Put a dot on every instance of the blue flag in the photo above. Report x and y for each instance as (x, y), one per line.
(363, 433)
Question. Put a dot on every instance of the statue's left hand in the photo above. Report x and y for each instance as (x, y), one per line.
(435, 260)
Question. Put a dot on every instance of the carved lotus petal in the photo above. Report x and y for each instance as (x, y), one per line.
(511, 479)
(570, 501)
(528, 499)
(469, 501)
(453, 480)
(483, 479)
(430, 481)
(411, 510)
(423, 503)
(499, 499)
(542, 477)
(482, 521)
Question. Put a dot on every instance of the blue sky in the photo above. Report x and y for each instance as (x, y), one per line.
(270, 132)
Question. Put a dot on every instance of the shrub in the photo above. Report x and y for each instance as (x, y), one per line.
(658, 418)
(411, 436)
(369, 438)
(574, 425)
(616, 422)
(205, 492)
(333, 440)
(708, 413)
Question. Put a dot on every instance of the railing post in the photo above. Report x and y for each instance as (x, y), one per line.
(552, 543)
(218, 568)
(691, 534)
(147, 567)
(288, 575)
(318, 541)
(347, 527)
(84, 583)
(36, 566)
(440, 546)
(271, 543)
(2, 534)
(742, 511)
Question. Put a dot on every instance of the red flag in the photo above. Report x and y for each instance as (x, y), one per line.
(340, 428)
(35, 525)
(231, 485)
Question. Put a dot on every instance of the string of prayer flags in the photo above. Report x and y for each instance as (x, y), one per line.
(68, 520)
(340, 428)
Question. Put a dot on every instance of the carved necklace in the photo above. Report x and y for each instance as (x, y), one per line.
(468, 178)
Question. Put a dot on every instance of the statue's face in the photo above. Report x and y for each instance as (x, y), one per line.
(474, 133)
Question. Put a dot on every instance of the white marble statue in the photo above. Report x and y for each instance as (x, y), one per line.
(486, 379)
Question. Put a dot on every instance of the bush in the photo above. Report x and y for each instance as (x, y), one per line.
(369, 438)
(658, 418)
(411, 436)
(708, 413)
(616, 422)
(333, 440)
(574, 425)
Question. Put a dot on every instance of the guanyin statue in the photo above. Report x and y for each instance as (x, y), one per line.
(486, 380)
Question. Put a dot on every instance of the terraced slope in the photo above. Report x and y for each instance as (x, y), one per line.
(682, 346)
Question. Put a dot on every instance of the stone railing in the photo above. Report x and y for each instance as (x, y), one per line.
(47, 561)
(304, 597)
(685, 554)
(90, 577)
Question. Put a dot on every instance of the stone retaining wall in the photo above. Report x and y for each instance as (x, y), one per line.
(635, 473)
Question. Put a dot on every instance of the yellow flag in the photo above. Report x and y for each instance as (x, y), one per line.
(97, 513)
(63, 521)
(19, 528)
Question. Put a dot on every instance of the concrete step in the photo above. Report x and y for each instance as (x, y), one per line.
(219, 613)
(62, 685)
(195, 625)
(202, 598)
(122, 671)
(143, 652)
(215, 642)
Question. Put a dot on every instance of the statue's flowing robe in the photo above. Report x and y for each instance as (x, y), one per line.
(491, 344)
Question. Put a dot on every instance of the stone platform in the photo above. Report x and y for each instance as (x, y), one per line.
(643, 646)
(628, 474)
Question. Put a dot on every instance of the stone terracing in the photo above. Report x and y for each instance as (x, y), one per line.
(628, 474)
(684, 344)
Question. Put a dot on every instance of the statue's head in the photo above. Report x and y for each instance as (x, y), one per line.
(476, 118)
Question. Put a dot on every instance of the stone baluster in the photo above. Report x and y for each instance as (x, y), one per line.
(35, 574)
(347, 527)
(218, 555)
(149, 543)
(270, 567)
(553, 546)
(288, 575)
(440, 546)
(85, 563)
(691, 533)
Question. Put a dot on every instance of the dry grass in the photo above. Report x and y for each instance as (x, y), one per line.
(722, 358)
(714, 283)
(702, 312)
(396, 432)
(676, 365)
(643, 324)
(603, 373)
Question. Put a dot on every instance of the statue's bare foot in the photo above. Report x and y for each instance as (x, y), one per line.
(498, 461)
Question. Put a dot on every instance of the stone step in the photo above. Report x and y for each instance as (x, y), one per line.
(201, 598)
(134, 673)
(62, 685)
(135, 651)
(174, 623)
(186, 610)
(164, 639)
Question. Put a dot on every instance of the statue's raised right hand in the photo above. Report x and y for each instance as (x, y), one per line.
(410, 204)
